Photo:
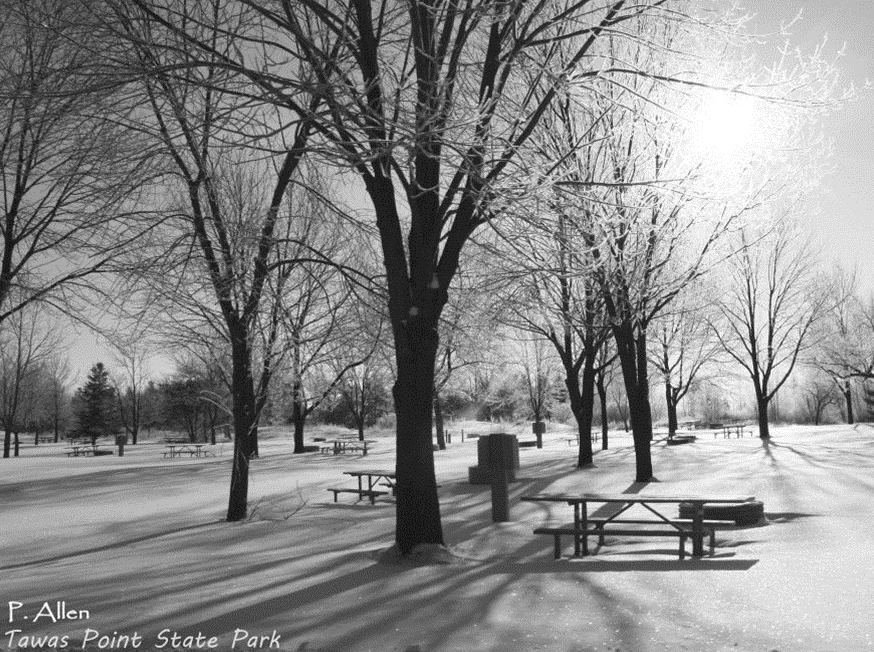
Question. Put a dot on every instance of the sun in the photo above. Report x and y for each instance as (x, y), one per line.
(725, 126)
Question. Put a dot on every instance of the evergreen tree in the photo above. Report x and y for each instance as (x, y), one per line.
(96, 407)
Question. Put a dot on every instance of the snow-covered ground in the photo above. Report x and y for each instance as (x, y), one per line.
(139, 542)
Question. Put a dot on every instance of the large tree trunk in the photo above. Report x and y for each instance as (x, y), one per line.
(848, 397)
(417, 295)
(417, 505)
(671, 399)
(253, 435)
(243, 398)
(762, 406)
(587, 411)
(7, 442)
(298, 415)
(632, 358)
(438, 422)
(135, 426)
(361, 410)
(641, 429)
(582, 414)
(299, 424)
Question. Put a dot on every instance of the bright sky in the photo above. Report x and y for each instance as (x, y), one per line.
(845, 226)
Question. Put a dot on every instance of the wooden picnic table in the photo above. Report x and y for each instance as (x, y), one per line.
(580, 502)
(373, 478)
(75, 450)
(737, 428)
(193, 450)
(337, 446)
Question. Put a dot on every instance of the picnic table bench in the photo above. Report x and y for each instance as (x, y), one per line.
(373, 478)
(661, 526)
(192, 450)
(598, 529)
(344, 445)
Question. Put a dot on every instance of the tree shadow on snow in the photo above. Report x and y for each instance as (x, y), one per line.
(111, 546)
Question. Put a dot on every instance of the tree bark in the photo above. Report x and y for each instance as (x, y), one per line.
(632, 359)
(298, 415)
(577, 397)
(417, 505)
(438, 422)
(848, 397)
(243, 395)
(299, 425)
(7, 442)
(587, 412)
(135, 427)
(671, 398)
(762, 407)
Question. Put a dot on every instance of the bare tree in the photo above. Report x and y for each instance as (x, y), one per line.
(59, 376)
(684, 345)
(131, 355)
(363, 392)
(636, 224)
(467, 331)
(336, 351)
(768, 309)
(820, 392)
(320, 307)
(844, 350)
(604, 372)
(68, 171)
(538, 380)
(232, 198)
(432, 88)
(561, 303)
(26, 343)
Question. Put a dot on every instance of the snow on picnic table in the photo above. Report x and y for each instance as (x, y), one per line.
(140, 542)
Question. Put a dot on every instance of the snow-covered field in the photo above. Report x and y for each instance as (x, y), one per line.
(139, 542)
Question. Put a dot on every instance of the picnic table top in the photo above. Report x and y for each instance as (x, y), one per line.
(376, 473)
(633, 498)
(350, 441)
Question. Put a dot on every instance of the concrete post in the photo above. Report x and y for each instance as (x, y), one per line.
(502, 457)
